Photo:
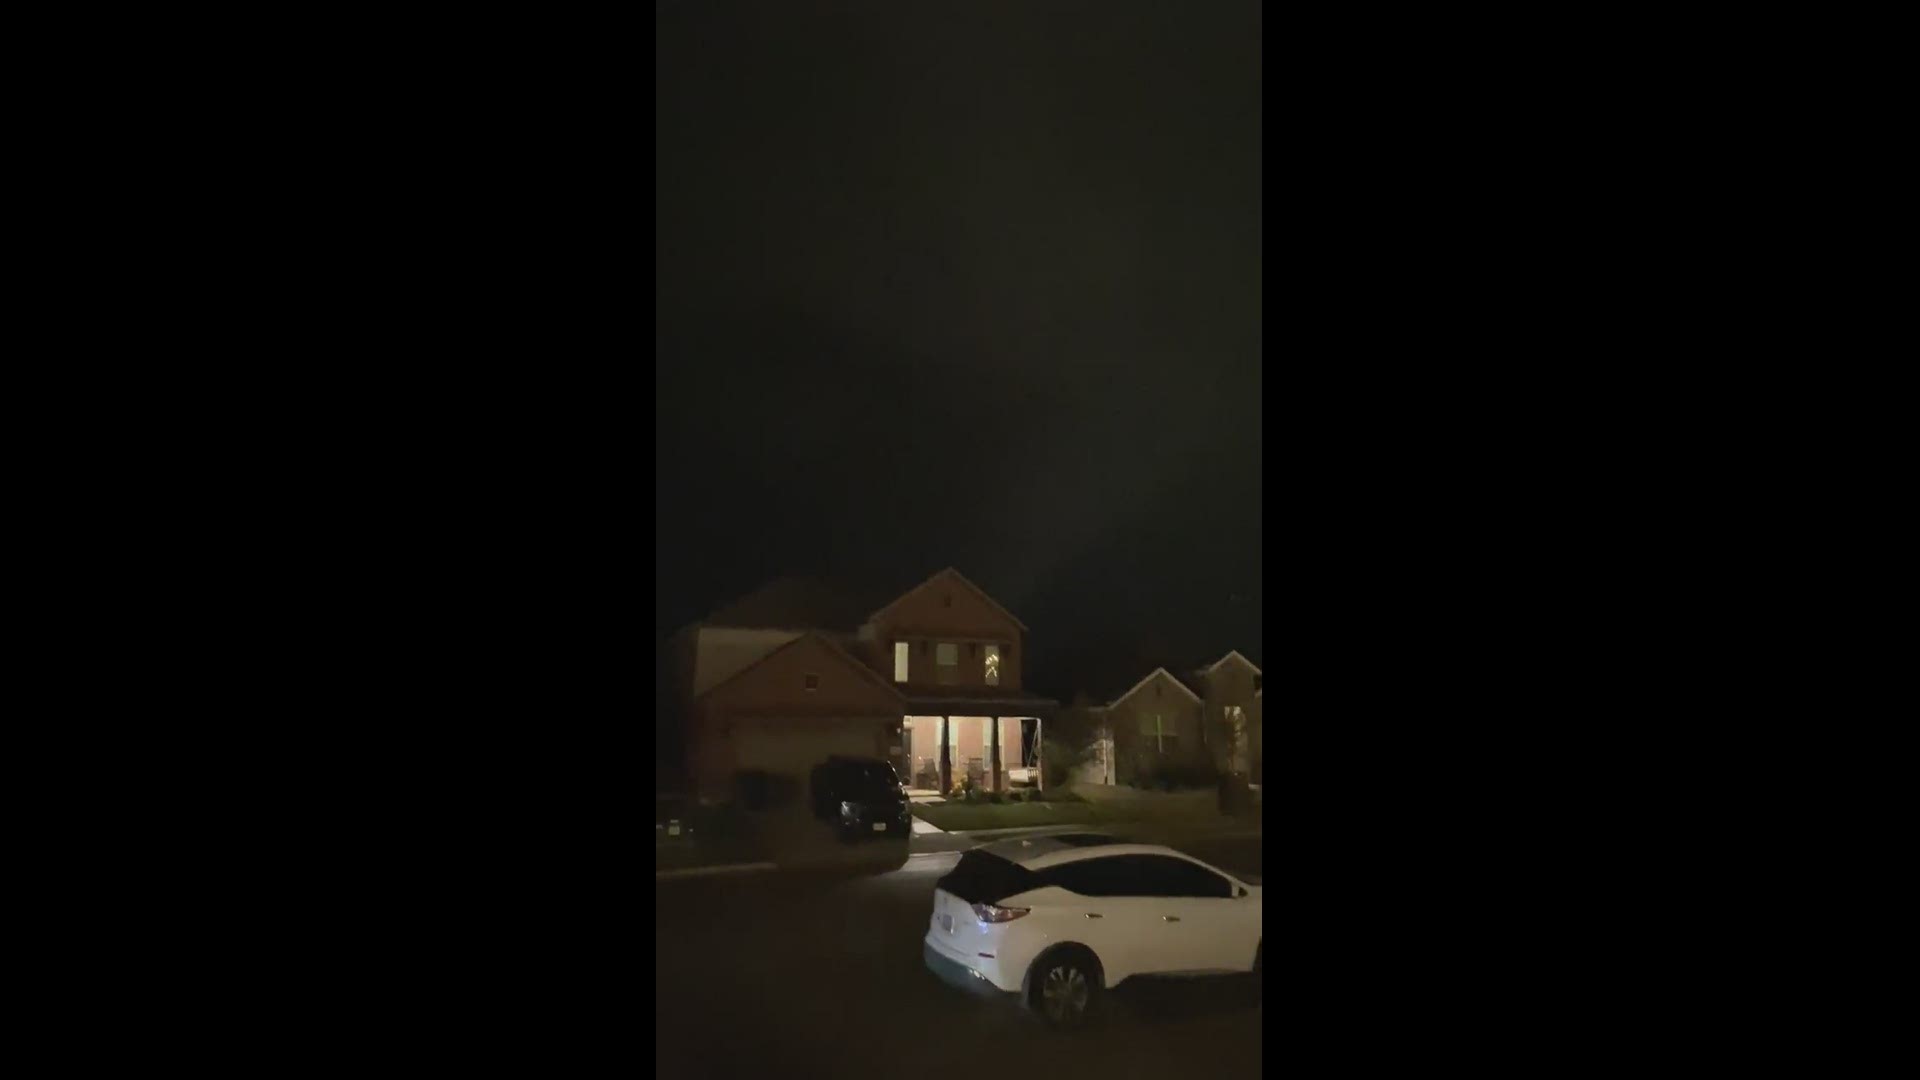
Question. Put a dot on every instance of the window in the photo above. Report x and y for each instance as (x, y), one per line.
(1161, 730)
(1089, 877)
(993, 665)
(1168, 876)
(1256, 683)
(980, 878)
(946, 663)
(813, 681)
(900, 654)
(1137, 875)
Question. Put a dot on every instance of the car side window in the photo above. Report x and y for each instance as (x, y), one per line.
(1110, 876)
(1082, 877)
(1163, 875)
(1201, 881)
(1137, 875)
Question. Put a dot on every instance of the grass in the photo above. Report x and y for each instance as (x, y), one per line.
(953, 816)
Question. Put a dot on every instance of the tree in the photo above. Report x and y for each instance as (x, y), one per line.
(1070, 739)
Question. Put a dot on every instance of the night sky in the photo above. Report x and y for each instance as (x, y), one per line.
(971, 284)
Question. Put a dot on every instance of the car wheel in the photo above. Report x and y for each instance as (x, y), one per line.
(1064, 988)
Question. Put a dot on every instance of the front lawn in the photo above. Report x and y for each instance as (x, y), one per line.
(965, 817)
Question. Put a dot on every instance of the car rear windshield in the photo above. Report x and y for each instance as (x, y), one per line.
(981, 878)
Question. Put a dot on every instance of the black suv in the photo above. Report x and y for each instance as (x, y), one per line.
(861, 798)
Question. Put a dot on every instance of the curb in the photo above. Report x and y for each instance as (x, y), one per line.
(705, 871)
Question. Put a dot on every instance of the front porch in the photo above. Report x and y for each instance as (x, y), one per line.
(996, 749)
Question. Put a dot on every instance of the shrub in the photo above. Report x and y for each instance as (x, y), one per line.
(1159, 775)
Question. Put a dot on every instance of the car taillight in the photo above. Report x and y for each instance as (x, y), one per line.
(992, 913)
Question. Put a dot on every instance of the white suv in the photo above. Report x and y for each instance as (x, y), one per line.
(1058, 919)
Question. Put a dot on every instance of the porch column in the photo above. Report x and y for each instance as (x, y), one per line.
(993, 741)
(1039, 762)
(946, 758)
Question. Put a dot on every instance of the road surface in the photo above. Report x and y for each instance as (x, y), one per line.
(769, 974)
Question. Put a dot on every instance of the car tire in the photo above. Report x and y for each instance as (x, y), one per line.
(1064, 988)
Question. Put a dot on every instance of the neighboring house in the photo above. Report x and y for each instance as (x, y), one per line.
(950, 653)
(1152, 725)
(1211, 716)
(1258, 771)
(1230, 687)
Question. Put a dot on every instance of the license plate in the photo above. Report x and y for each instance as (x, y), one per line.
(879, 826)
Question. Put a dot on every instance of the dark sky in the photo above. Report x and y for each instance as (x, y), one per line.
(972, 284)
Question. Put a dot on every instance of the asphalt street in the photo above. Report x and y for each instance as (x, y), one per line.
(812, 976)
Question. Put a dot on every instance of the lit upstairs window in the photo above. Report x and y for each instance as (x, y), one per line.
(993, 665)
(900, 652)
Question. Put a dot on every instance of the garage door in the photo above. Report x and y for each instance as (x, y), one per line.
(793, 748)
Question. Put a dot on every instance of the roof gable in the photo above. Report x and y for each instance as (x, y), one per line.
(950, 574)
(1160, 671)
(856, 683)
(1232, 654)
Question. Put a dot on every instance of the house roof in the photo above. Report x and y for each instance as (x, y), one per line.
(1184, 688)
(833, 647)
(954, 575)
(954, 697)
(802, 603)
(1231, 653)
(1106, 675)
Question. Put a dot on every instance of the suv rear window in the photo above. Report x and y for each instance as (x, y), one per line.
(980, 878)
(862, 776)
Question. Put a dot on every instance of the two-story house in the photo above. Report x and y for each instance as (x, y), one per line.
(956, 655)
(766, 684)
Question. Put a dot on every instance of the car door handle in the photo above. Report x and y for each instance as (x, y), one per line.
(1092, 915)
(1171, 918)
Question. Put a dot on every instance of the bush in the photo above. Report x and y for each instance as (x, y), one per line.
(1176, 775)
(1059, 759)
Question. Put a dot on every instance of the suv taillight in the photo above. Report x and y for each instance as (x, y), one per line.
(991, 913)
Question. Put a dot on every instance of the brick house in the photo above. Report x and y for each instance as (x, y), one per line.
(1230, 688)
(939, 695)
(1212, 715)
